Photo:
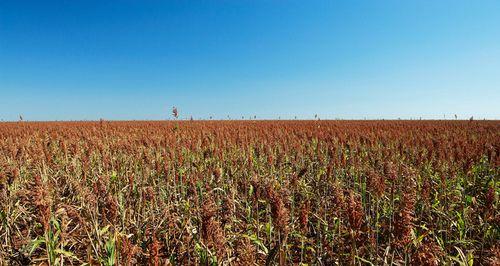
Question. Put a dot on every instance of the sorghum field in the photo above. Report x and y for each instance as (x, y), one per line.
(250, 192)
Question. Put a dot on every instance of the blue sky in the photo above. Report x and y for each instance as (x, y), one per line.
(72, 60)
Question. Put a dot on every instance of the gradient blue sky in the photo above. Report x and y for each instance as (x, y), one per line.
(72, 60)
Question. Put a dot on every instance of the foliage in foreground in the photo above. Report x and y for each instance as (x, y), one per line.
(254, 192)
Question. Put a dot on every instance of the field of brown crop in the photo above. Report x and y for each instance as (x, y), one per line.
(250, 193)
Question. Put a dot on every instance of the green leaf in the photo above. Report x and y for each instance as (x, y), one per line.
(104, 230)
(114, 176)
(36, 243)
(257, 241)
(64, 252)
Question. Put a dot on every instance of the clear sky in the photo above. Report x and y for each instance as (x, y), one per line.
(73, 60)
